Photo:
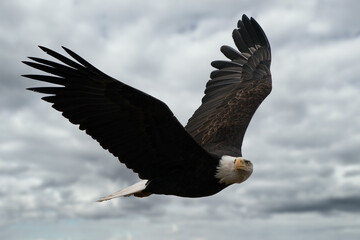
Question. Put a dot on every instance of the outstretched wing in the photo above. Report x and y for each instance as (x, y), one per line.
(135, 127)
(234, 92)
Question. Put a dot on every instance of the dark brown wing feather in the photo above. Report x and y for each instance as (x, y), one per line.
(234, 92)
(134, 126)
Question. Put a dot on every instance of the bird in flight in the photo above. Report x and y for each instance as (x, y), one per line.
(197, 160)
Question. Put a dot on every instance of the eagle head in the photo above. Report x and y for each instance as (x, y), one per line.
(233, 169)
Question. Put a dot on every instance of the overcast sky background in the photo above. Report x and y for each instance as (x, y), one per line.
(304, 140)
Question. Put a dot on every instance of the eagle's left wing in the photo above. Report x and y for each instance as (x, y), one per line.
(140, 130)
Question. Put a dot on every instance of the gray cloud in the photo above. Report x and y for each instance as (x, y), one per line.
(325, 206)
(303, 140)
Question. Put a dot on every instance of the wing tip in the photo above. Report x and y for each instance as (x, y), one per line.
(45, 49)
(247, 22)
(66, 49)
(244, 18)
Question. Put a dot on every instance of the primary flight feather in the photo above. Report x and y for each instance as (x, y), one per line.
(197, 160)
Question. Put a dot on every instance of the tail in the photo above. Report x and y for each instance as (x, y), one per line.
(135, 190)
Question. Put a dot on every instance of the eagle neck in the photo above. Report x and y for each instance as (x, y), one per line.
(225, 171)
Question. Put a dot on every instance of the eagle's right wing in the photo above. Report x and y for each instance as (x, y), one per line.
(234, 92)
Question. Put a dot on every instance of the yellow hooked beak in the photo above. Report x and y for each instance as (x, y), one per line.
(241, 164)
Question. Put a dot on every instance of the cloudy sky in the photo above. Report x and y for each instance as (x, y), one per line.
(304, 140)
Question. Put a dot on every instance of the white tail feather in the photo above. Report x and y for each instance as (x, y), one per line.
(136, 188)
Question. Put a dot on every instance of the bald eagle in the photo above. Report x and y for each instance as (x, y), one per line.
(197, 160)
